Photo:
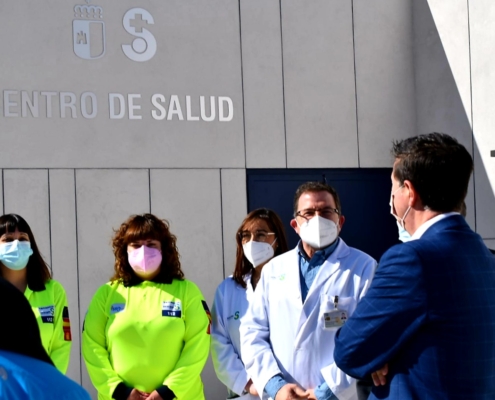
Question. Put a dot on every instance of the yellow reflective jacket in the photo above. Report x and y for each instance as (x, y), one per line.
(52, 313)
(146, 336)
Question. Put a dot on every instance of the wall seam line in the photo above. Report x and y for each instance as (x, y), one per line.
(50, 220)
(3, 192)
(78, 278)
(283, 84)
(221, 222)
(355, 83)
(242, 87)
(149, 187)
(473, 142)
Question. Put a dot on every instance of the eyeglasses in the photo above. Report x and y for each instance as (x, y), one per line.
(259, 236)
(309, 213)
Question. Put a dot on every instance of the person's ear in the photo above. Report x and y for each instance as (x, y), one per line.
(414, 199)
(293, 224)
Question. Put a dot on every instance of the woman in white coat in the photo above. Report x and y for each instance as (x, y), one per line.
(260, 237)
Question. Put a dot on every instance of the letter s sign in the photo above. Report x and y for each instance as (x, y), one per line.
(143, 48)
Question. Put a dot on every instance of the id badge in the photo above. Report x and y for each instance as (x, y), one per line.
(335, 318)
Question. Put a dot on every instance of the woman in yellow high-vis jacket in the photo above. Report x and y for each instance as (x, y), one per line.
(23, 266)
(146, 332)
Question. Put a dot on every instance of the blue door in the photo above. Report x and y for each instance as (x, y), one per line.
(364, 194)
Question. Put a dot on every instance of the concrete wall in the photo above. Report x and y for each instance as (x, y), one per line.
(326, 83)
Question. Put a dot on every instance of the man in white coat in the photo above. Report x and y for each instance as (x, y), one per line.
(303, 297)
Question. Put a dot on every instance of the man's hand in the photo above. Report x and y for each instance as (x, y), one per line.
(291, 391)
(379, 377)
(154, 395)
(250, 388)
(311, 394)
(138, 395)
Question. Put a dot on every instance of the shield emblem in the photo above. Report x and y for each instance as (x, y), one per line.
(89, 39)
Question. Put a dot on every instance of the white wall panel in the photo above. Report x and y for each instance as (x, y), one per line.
(485, 197)
(105, 199)
(386, 107)
(191, 201)
(490, 243)
(64, 254)
(263, 84)
(470, 205)
(1, 193)
(442, 72)
(482, 30)
(320, 103)
(197, 54)
(234, 210)
(26, 194)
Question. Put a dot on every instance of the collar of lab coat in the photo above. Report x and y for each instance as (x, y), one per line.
(329, 267)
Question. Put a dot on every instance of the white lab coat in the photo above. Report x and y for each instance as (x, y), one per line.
(229, 308)
(281, 335)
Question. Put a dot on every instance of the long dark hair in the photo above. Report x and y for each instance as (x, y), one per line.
(142, 227)
(242, 264)
(38, 272)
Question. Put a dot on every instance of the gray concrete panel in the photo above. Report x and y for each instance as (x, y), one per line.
(470, 205)
(386, 111)
(64, 254)
(105, 199)
(234, 210)
(490, 244)
(485, 198)
(442, 72)
(26, 194)
(482, 30)
(197, 54)
(2, 194)
(191, 201)
(263, 84)
(319, 82)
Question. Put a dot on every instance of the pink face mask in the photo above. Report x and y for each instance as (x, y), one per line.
(145, 260)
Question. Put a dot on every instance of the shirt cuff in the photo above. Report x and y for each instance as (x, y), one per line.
(274, 385)
(323, 392)
(121, 392)
(166, 393)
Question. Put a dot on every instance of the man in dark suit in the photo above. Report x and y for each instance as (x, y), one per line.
(426, 327)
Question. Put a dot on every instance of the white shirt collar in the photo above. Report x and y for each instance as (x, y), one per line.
(422, 229)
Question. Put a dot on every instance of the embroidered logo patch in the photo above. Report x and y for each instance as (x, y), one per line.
(116, 308)
(47, 314)
(66, 325)
(172, 309)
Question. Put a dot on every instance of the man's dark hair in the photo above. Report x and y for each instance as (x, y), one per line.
(20, 332)
(438, 166)
(316, 187)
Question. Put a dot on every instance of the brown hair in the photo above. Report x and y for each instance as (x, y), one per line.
(316, 187)
(438, 166)
(242, 264)
(141, 227)
(38, 272)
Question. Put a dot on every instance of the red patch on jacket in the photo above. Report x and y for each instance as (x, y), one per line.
(66, 325)
(208, 314)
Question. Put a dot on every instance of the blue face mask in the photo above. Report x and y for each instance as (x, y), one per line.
(404, 235)
(15, 255)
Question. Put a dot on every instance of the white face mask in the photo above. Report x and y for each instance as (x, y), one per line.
(404, 235)
(400, 220)
(258, 252)
(318, 232)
